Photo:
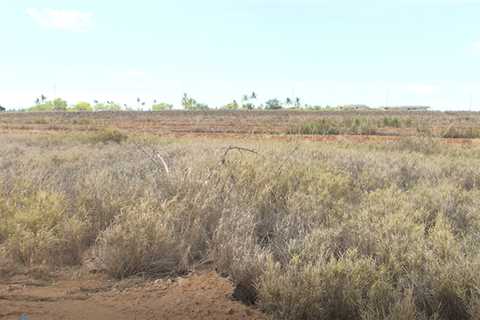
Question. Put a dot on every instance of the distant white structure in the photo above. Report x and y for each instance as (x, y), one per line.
(357, 107)
(407, 108)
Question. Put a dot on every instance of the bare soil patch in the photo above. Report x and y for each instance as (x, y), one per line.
(202, 295)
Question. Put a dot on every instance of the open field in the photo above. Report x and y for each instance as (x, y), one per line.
(221, 122)
(99, 210)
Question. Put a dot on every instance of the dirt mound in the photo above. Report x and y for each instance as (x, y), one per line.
(199, 296)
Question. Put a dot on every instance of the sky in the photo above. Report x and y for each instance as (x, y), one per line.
(402, 52)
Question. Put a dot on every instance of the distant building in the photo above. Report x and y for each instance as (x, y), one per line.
(407, 108)
(357, 107)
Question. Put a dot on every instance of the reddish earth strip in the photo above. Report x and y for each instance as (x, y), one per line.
(266, 137)
(202, 295)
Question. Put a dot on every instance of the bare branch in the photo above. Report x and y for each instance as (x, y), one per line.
(155, 157)
(240, 149)
(164, 163)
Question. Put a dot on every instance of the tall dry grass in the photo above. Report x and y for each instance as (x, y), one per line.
(306, 231)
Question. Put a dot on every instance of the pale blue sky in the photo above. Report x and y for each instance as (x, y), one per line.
(327, 52)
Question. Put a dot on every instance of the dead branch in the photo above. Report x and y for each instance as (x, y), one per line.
(155, 157)
(240, 149)
(164, 163)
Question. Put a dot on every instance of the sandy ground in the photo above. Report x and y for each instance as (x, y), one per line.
(201, 295)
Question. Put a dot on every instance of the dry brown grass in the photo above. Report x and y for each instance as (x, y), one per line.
(391, 123)
(305, 230)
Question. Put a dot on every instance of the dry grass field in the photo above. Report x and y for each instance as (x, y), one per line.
(281, 122)
(283, 211)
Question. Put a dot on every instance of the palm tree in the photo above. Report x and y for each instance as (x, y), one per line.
(253, 96)
(37, 101)
(297, 102)
(43, 98)
(188, 102)
(288, 101)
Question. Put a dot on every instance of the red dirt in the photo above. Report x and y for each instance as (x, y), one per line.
(202, 295)
(261, 136)
(218, 124)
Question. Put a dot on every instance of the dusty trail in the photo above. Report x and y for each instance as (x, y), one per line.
(202, 295)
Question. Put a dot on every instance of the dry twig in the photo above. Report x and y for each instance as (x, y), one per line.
(155, 157)
(240, 149)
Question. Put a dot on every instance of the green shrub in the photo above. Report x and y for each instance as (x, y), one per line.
(321, 127)
(162, 106)
(191, 104)
(453, 132)
(362, 126)
(56, 105)
(35, 230)
(109, 106)
(231, 106)
(392, 122)
(273, 104)
(81, 106)
(355, 126)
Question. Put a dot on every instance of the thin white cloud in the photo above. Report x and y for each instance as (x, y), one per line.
(66, 20)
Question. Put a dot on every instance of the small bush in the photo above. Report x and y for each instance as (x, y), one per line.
(36, 231)
(321, 127)
(392, 122)
(81, 107)
(332, 289)
(162, 106)
(109, 135)
(361, 126)
(235, 252)
(138, 242)
(356, 126)
(453, 132)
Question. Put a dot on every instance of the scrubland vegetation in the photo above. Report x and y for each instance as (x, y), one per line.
(304, 230)
(373, 125)
(451, 125)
